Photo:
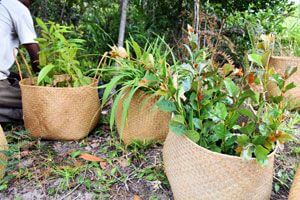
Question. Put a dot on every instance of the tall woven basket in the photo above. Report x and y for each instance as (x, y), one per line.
(280, 64)
(295, 190)
(3, 158)
(144, 121)
(53, 113)
(197, 173)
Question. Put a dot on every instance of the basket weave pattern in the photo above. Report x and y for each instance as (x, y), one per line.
(3, 158)
(144, 121)
(280, 64)
(59, 113)
(197, 173)
(295, 191)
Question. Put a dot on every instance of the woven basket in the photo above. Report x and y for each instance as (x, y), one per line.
(144, 121)
(197, 173)
(295, 191)
(3, 147)
(280, 64)
(59, 113)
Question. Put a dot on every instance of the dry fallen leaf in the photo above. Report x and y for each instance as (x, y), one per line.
(136, 197)
(90, 157)
(103, 165)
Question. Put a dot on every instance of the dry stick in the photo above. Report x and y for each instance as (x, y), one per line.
(18, 64)
(104, 57)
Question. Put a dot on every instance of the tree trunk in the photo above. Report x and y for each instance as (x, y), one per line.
(123, 6)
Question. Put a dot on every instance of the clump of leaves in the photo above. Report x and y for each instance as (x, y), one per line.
(58, 56)
(226, 109)
(137, 68)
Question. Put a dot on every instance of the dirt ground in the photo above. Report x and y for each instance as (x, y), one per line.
(55, 170)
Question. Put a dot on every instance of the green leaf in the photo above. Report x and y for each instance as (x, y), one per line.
(126, 105)
(231, 87)
(193, 135)
(220, 111)
(247, 113)
(220, 131)
(109, 88)
(166, 105)
(232, 121)
(196, 123)
(261, 154)
(227, 68)
(255, 58)
(290, 71)
(114, 108)
(177, 128)
(259, 140)
(242, 140)
(278, 80)
(44, 72)
(289, 87)
(248, 129)
(137, 49)
(246, 153)
(178, 118)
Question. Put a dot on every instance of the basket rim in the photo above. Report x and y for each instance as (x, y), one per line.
(21, 83)
(198, 147)
(286, 58)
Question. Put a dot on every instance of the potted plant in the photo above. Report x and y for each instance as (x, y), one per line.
(285, 53)
(3, 148)
(60, 103)
(142, 75)
(223, 135)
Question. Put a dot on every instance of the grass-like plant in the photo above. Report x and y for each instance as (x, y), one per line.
(226, 109)
(137, 68)
(58, 56)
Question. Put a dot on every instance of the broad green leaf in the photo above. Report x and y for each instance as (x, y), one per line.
(178, 118)
(248, 129)
(220, 131)
(193, 135)
(259, 140)
(289, 87)
(261, 154)
(247, 113)
(177, 128)
(44, 72)
(242, 140)
(231, 87)
(232, 121)
(255, 58)
(196, 122)
(166, 105)
(220, 111)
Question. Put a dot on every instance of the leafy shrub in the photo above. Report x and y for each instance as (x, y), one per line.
(58, 55)
(226, 110)
(137, 68)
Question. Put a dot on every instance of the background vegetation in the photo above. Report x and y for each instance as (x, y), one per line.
(98, 21)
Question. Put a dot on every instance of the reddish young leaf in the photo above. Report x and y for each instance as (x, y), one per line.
(251, 78)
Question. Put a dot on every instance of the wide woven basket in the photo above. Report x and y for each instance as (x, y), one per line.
(295, 190)
(3, 147)
(144, 121)
(197, 173)
(59, 113)
(280, 64)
